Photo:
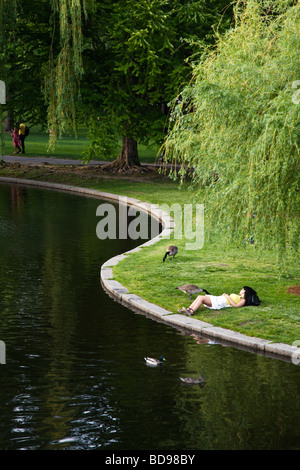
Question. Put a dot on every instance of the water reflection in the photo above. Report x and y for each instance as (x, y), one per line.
(75, 376)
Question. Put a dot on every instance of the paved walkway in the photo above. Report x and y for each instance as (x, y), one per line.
(50, 160)
(57, 161)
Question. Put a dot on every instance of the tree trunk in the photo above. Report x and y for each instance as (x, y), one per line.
(9, 120)
(128, 159)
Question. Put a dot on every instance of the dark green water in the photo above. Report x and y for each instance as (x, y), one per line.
(75, 377)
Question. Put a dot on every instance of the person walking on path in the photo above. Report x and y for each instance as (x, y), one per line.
(22, 134)
(16, 140)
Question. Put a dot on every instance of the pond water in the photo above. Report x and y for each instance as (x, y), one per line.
(75, 377)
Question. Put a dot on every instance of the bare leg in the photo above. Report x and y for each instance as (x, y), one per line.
(201, 299)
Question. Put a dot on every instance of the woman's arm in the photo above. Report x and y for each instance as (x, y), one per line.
(241, 303)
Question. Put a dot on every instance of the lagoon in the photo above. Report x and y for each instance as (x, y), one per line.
(75, 376)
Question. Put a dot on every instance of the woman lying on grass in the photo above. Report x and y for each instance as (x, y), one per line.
(247, 296)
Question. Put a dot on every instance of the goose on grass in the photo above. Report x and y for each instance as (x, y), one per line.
(171, 252)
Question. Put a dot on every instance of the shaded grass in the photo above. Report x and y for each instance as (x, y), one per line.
(215, 267)
(69, 146)
(37, 142)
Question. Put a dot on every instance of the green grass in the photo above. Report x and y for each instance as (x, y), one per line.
(217, 270)
(215, 267)
(68, 147)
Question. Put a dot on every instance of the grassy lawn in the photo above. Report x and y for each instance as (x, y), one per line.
(68, 147)
(214, 267)
(218, 271)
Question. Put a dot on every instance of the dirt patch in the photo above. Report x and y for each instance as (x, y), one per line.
(147, 174)
(143, 173)
(294, 290)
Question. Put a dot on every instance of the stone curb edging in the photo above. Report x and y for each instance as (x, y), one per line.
(136, 303)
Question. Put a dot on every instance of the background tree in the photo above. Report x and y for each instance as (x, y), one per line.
(134, 62)
(25, 52)
(239, 129)
(7, 13)
(65, 63)
(41, 57)
(136, 65)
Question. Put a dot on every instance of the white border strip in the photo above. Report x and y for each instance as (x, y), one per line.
(136, 303)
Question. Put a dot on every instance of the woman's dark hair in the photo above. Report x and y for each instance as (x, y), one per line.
(251, 296)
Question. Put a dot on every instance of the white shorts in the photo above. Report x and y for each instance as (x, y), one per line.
(217, 302)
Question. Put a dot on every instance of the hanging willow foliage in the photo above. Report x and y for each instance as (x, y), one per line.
(65, 68)
(238, 125)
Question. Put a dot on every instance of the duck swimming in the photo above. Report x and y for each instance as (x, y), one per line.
(192, 381)
(154, 362)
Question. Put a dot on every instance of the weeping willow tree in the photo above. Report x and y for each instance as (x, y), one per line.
(64, 69)
(65, 66)
(238, 125)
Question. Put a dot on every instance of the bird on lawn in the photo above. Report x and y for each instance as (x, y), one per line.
(154, 362)
(192, 381)
(172, 251)
(191, 289)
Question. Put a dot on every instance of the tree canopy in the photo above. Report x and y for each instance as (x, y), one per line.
(25, 34)
(117, 63)
(138, 63)
(41, 59)
(237, 125)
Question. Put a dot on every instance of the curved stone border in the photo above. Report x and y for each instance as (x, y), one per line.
(136, 303)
